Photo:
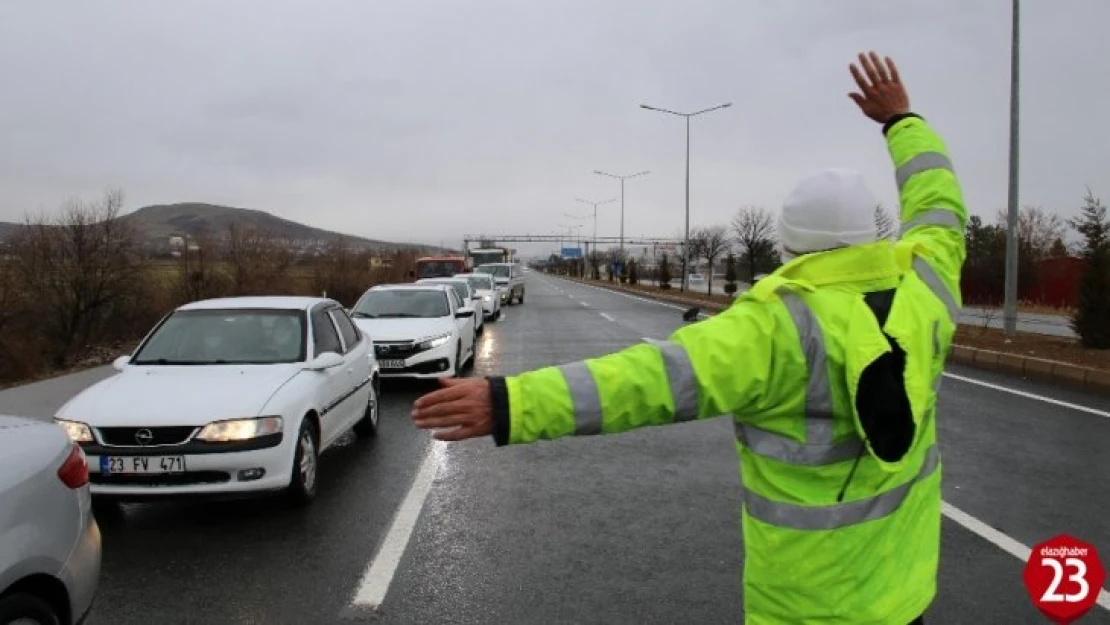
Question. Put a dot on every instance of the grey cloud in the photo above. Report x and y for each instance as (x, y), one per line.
(427, 120)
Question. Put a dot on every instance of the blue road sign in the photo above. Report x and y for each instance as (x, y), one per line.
(572, 252)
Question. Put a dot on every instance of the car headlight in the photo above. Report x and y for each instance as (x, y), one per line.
(78, 432)
(486, 298)
(240, 429)
(434, 342)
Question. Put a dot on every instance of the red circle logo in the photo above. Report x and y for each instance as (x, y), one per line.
(1064, 578)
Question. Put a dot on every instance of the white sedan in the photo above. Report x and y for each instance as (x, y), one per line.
(418, 330)
(488, 293)
(228, 396)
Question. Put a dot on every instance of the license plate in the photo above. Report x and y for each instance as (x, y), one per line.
(141, 464)
(392, 364)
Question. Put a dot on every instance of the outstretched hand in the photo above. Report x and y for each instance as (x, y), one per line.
(464, 404)
(883, 95)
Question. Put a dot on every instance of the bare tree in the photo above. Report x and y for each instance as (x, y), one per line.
(83, 270)
(259, 261)
(1037, 230)
(713, 242)
(884, 223)
(755, 234)
(343, 273)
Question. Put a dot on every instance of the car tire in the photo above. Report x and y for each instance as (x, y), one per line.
(367, 426)
(24, 607)
(303, 474)
(520, 300)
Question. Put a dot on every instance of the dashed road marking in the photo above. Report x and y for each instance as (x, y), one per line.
(606, 316)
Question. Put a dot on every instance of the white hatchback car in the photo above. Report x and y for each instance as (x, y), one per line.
(228, 397)
(418, 330)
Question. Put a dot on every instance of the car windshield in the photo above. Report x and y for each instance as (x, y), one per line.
(226, 337)
(479, 283)
(499, 271)
(458, 285)
(402, 303)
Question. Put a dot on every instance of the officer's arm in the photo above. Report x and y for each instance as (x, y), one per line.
(704, 370)
(933, 210)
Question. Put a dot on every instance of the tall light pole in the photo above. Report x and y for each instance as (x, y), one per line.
(622, 179)
(686, 240)
(1009, 306)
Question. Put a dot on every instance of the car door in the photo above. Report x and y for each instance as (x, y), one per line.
(333, 385)
(359, 360)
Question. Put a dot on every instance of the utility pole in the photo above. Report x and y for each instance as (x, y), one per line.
(1009, 308)
(622, 179)
(686, 240)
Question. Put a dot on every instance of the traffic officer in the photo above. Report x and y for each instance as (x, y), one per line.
(830, 369)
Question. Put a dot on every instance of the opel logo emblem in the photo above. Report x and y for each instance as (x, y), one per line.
(144, 436)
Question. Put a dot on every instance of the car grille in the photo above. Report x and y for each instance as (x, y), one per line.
(395, 349)
(131, 437)
(177, 479)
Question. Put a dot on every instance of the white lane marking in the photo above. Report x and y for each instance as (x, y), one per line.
(1002, 541)
(378, 575)
(1005, 389)
(606, 316)
(584, 304)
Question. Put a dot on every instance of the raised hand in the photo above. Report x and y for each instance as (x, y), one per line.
(883, 95)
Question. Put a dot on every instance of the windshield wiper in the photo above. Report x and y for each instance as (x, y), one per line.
(398, 315)
(362, 315)
(166, 361)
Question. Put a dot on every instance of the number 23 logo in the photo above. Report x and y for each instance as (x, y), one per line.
(1079, 577)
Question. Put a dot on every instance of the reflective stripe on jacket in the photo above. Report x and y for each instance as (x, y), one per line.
(841, 509)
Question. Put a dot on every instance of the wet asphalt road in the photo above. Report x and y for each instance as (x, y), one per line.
(636, 528)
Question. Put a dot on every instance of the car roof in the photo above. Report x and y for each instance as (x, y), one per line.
(426, 286)
(277, 302)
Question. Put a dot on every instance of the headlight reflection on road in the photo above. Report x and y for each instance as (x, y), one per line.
(487, 347)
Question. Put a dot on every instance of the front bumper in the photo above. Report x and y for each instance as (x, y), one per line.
(210, 473)
(430, 364)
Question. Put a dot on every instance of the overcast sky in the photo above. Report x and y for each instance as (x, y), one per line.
(425, 120)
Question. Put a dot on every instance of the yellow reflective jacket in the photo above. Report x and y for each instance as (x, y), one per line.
(830, 369)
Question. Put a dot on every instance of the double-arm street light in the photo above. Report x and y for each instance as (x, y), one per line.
(686, 240)
(622, 179)
(595, 205)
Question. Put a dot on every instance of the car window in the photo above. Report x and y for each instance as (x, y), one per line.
(324, 336)
(346, 328)
(456, 299)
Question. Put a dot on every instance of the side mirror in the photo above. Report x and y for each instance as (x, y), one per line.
(119, 364)
(476, 297)
(327, 360)
(691, 314)
(464, 312)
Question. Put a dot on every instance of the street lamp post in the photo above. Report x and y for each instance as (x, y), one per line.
(1009, 305)
(686, 240)
(622, 179)
(595, 205)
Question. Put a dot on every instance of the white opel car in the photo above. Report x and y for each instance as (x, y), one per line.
(228, 397)
(484, 285)
(418, 330)
(466, 293)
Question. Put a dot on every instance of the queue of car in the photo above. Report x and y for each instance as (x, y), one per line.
(224, 397)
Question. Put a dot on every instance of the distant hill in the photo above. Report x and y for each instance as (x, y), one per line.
(156, 224)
